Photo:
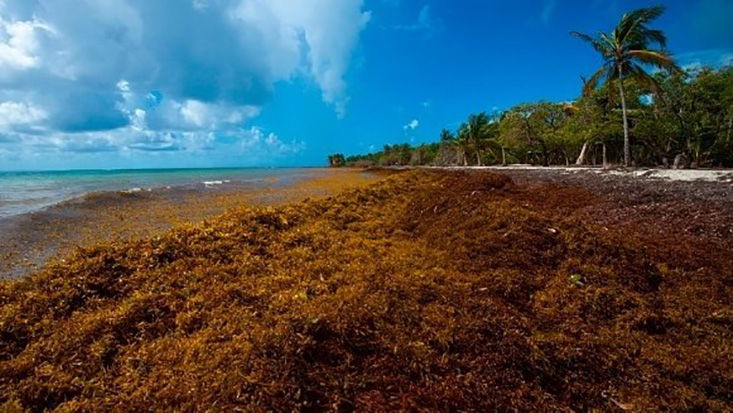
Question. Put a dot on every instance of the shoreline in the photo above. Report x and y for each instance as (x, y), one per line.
(29, 240)
(73, 185)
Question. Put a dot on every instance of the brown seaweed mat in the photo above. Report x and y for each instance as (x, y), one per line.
(427, 291)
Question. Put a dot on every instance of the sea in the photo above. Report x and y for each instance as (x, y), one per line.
(25, 192)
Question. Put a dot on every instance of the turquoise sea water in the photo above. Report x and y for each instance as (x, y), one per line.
(23, 192)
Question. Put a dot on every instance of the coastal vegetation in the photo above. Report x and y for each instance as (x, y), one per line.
(427, 291)
(661, 117)
(625, 51)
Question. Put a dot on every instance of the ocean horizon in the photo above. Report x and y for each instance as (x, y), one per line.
(24, 192)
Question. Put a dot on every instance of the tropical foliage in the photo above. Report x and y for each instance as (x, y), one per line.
(625, 114)
(689, 123)
(626, 50)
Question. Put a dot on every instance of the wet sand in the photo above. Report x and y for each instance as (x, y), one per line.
(29, 241)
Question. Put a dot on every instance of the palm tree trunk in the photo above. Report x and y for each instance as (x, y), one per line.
(627, 143)
(503, 156)
(583, 153)
(478, 159)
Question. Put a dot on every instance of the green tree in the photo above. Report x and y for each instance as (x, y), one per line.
(475, 133)
(625, 51)
(692, 122)
(336, 160)
(532, 129)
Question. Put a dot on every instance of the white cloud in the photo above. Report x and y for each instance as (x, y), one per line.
(19, 113)
(412, 125)
(19, 43)
(256, 139)
(330, 29)
(194, 112)
(252, 145)
(165, 70)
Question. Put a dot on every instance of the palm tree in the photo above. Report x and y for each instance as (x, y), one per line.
(474, 133)
(463, 142)
(625, 51)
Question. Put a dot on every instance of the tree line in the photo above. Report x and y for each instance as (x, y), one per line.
(625, 114)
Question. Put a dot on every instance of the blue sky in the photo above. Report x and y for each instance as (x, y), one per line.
(220, 83)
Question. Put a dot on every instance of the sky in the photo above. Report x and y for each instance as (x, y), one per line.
(87, 84)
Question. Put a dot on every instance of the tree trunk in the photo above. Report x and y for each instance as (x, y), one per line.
(503, 156)
(678, 161)
(594, 156)
(605, 159)
(583, 153)
(545, 158)
(627, 143)
(478, 159)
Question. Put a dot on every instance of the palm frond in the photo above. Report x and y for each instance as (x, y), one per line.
(656, 58)
(643, 78)
(610, 42)
(655, 36)
(598, 46)
(590, 85)
(649, 14)
(632, 25)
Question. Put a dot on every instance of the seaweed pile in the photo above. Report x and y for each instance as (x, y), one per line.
(426, 291)
(27, 242)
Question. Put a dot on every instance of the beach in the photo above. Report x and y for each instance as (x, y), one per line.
(426, 290)
(28, 240)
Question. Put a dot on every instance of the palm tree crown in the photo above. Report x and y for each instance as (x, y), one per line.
(474, 132)
(626, 50)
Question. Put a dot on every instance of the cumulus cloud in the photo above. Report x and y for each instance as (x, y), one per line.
(166, 71)
(256, 138)
(251, 145)
(412, 125)
(20, 43)
(19, 113)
